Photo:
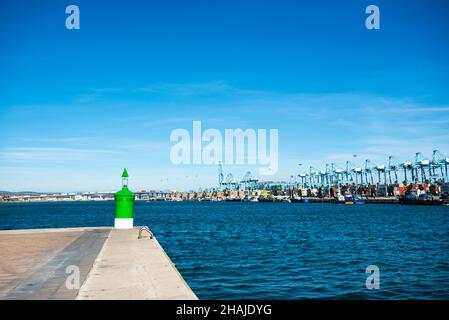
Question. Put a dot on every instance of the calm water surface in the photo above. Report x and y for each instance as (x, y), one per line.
(280, 250)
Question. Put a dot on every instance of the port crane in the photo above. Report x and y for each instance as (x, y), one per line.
(303, 179)
(329, 175)
(440, 161)
(246, 180)
(381, 169)
(228, 183)
(338, 174)
(368, 171)
(324, 176)
(348, 172)
(314, 175)
(392, 167)
(231, 184)
(408, 166)
(420, 165)
(220, 176)
(357, 171)
(249, 183)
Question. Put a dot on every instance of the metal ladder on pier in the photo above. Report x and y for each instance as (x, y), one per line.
(145, 228)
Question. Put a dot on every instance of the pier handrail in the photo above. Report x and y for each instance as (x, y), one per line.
(145, 228)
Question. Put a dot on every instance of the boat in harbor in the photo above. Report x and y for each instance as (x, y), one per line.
(254, 199)
(230, 199)
(248, 198)
(280, 199)
(420, 202)
(266, 196)
(422, 199)
(416, 196)
(349, 199)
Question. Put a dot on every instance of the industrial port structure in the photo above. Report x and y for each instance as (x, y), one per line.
(394, 178)
(420, 170)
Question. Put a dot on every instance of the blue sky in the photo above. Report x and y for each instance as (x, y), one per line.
(76, 106)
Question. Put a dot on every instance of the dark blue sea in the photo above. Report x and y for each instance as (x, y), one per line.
(280, 250)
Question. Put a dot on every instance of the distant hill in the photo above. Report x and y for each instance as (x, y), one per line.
(20, 193)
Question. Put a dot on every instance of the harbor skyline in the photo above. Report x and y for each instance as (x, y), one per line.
(88, 102)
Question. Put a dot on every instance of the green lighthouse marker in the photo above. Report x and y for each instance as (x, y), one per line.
(124, 205)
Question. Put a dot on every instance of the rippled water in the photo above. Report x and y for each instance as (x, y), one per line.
(280, 250)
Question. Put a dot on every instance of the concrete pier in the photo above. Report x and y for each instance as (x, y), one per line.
(112, 264)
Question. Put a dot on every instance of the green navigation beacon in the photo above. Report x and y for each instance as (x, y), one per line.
(124, 205)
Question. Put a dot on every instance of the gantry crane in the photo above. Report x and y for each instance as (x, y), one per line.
(348, 172)
(422, 163)
(357, 171)
(313, 176)
(408, 166)
(381, 169)
(338, 173)
(368, 171)
(440, 161)
(230, 182)
(248, 181)
(220, 176)
(303, 179)
(392, 167)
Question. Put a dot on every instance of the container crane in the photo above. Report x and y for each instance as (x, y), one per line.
(338, 174)
(220, 175)
(230, 182)
(248, 182)
(443, 162)
(392, 167)
(382, 169)
(408, 166)
(325, 176)
(303, 179)
(314, 175)
(348, 172)
(422, 163)
(368, 171)
(357, 171)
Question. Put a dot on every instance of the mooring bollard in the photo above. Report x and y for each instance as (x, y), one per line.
(124, 205)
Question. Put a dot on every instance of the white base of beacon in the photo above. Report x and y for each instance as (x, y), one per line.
(123, 223)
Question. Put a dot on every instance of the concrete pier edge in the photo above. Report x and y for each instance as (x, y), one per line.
(113, 263)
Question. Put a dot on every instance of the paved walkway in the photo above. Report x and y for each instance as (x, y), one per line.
(113, 264)
(128, 268)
